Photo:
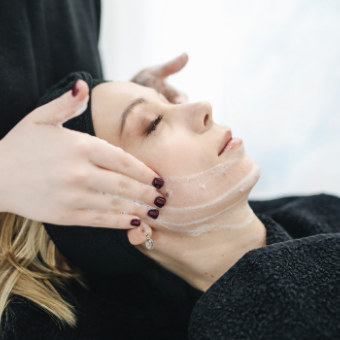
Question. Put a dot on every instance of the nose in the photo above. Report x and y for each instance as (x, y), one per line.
(199, 116)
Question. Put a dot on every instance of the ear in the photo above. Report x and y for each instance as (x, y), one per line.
(136, 236)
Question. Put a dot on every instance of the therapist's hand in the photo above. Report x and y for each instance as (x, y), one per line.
(52, 174)
(155, 77)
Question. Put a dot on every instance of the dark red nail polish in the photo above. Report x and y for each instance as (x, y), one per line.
(75, 89)
(153, 213)
(158, 183)
(159, 202)
(135, 222)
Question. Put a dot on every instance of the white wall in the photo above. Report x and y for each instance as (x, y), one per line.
(270, 68)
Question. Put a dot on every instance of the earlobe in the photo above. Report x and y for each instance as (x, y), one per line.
(136, 236)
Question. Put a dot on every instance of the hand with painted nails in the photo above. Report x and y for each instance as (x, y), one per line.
(52, 174)
(155, 77)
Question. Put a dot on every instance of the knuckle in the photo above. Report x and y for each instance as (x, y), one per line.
(83, 146)
(79, 176)
(124, 163)
(98, 219)
(60, 104)
(76, 200)
(115, 204)
(123, 187)
(116, 221)
(69, 201)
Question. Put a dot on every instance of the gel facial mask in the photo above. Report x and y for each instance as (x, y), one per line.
(195, 202)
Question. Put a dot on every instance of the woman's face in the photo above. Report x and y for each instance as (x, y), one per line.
(173, 140)
(176, 141)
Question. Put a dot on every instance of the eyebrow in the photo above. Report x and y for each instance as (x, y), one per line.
(136, 102)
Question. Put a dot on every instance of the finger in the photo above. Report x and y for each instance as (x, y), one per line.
(136, 235)
(105, 219)
(181, 98)
(122, 186)
(112, 158)
(67, 106)
(173, 95)
(171, 67)
(110, 203)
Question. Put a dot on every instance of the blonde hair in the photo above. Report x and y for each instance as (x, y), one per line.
(31, 266)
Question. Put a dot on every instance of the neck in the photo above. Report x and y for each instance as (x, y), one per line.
(201, 260)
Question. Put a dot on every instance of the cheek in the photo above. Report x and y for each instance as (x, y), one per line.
(177, 155)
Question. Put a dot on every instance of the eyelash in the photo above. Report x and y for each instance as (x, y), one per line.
(153, 125)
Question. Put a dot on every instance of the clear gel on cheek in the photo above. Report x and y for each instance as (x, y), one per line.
(195, 202)
(210, 200)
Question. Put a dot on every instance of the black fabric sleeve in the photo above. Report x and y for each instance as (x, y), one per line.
(289, 290)
(303, 216)
(41, 42)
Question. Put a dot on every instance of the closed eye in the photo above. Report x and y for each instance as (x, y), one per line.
(153, 125)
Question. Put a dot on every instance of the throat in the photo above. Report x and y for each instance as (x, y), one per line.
(202, 260)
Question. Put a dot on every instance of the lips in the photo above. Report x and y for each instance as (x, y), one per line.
(226, 139)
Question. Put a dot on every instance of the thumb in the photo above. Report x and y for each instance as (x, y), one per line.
(172, 66)
(69, 105)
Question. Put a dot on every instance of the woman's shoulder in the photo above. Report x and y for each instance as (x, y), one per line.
(24, 319)
(287, 290)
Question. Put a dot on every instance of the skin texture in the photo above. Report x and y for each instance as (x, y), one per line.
(64, 170)
(185, 141)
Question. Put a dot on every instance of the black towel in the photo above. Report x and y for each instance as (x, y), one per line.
(287, 290)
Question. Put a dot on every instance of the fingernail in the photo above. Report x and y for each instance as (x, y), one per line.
(75, 89)
(135, 222)
(153, 213)
(158, 183)
(159, 202)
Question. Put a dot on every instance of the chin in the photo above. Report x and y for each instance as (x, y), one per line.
(196, 202)
(253, 175)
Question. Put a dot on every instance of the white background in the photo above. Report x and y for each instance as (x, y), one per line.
(270, 69)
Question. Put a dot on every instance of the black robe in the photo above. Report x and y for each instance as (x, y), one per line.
(286, 290)
(41, 42)
(289, 289)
